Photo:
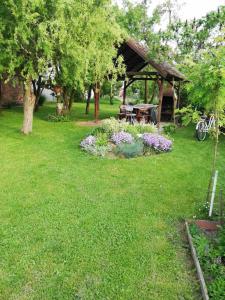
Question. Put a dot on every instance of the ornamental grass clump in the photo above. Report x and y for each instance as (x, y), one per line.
(122, 137)
(131, 150)
(157, 142)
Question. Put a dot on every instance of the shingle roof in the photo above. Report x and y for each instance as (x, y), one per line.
(136, 58)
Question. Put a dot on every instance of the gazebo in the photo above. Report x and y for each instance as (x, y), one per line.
(136, 59)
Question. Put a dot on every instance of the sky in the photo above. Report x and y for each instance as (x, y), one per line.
(190, 9)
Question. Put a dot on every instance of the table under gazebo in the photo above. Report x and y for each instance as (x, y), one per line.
(143, 112)
(136, 58)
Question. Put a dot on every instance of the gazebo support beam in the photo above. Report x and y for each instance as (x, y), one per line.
(160, 84)
(124, 92)
(146, 91)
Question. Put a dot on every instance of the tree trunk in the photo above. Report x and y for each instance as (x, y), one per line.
(71, 99)
(65, 101)
(111, 95)
(97, 96)
(88, 100)
(29, 102)
(38, 89)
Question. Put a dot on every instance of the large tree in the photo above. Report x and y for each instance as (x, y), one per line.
(91, 41)
(27, 45)
(75, 38)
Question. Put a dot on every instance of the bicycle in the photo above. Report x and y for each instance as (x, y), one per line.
(203, 127)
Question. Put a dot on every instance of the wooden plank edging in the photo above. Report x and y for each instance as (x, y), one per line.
(204, 290)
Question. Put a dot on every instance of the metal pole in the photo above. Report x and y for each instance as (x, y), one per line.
(213, 193)
(221, 205)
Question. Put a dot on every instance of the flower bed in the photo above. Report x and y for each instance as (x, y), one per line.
(122, 139)
(207, 238)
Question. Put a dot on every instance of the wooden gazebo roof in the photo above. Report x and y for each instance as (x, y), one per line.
(135, 57)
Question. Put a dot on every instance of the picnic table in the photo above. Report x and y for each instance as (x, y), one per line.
(139, 112)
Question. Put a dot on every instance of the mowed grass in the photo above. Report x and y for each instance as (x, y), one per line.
(75, 226)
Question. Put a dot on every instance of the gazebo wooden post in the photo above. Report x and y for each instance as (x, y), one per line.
(146, 91)
(160, 84)
(124, 92)
(178, 96)
(174, 102)
(96, 96)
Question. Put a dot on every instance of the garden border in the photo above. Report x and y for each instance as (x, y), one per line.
(200, 275)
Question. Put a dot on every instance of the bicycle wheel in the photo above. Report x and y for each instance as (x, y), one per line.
(201, 131)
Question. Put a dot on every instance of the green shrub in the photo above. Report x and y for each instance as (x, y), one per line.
(101, 139)
(187, 115)
(41, 100)
(97, 130)
(133, 130)
(210, 251)
(217, 288)
(171, 128)
(130, 150)
(145, 128)
(58, 118)
(112, 125)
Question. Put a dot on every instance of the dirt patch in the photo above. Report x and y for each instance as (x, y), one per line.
(89, 123)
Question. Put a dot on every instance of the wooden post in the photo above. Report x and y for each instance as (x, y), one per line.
(96, 96)
(124, 92)
(146, 91)
(174, 107)
(160, 84)
(178, 97)
(174, 102)
(153, 91)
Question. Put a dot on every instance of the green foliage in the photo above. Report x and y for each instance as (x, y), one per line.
(58, 118)
(168, 129)
(145, 127)
(206, 88)
(133, 130)
(26, 36)
(138, 23)
(86, 43)
(99, 150)
(130, 150)
(198, 34)
(112, 125)
(101, 139)
(210, 252)
(188, 115)
(97, 130)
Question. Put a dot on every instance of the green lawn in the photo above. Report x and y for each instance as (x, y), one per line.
(75, 226)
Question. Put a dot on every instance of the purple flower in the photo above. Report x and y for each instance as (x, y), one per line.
(157, 142)
(88, 141)
(121, 137)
